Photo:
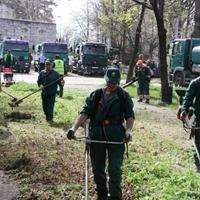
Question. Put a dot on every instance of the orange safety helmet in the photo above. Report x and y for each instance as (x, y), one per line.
(139, 62)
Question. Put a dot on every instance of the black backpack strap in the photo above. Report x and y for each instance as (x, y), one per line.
(122, 95)
(97, 97)
(197, 80)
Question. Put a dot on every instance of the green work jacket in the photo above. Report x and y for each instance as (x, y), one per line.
(192, 97)
(108, 110)
(143, 74)
(46, 78)
(8, 60)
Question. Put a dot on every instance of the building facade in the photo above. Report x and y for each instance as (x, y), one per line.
(32, 31)
(6, 12)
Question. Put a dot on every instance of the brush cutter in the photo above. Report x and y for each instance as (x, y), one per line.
(13, 98)
(87, 151)
(134, 79)
(189, 123)
(17, 102)
(88, 141)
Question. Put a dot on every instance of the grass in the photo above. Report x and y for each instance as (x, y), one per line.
(47, 166)
(155, 94)
(162, 169)
(37, 153)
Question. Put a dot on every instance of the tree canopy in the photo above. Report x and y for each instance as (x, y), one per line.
(40, 10)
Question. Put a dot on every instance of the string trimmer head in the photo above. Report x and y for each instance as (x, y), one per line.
(15, 103)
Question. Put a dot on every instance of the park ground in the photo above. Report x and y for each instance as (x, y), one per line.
(42, 164)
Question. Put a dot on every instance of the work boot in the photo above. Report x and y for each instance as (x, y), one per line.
(139, 100)
(147, 101)
(102, 195)
(102, 198)
(198, 168)
(60, 94)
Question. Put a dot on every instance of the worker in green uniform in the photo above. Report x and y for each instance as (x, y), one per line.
(192, 99)
(48, 80)
(107, 108)
(142, 72)
(59, 66)
(9, 60)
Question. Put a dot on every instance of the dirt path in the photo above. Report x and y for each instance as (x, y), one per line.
(8, 190)
(171, 129)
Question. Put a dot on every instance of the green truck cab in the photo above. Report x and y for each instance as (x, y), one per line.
(184, 60)
(51, 49)
(93, 59)
(20, 50)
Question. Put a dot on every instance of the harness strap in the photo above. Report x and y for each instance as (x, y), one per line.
(97, 97)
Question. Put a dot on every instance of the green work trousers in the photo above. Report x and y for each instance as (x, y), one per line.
(197, 142)
(115, 155)
(61, 88)
(48, 102)
(143, 88)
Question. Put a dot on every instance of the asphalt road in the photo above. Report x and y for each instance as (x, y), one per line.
(71, 80)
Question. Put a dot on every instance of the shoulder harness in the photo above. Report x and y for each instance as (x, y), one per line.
(97, 97)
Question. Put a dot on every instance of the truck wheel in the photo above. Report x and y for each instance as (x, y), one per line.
(27, 71)
(80, 73)
(178, 79)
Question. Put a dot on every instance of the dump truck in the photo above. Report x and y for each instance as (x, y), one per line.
(184, 61)
(51, 49)
(93, 59)
(20, 50)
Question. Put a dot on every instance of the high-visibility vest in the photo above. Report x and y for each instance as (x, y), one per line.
(59, 66)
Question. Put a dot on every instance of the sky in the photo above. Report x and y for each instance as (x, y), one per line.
(65, 11)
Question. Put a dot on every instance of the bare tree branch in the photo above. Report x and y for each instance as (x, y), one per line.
(143, 3)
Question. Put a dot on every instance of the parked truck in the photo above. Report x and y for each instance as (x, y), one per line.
(50, 50)
(184, 60)
(93, 59)
(19, 49)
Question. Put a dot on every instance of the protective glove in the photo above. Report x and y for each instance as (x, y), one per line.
(183, 116)
(128, 136)
(71, 133)
(148, 78)
(41, 87)
(190, 112)
(62, 82)
(179, 111)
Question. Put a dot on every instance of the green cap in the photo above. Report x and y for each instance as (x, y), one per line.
(48, 61)
(112, 75)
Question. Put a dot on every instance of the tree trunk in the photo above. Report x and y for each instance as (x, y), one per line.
(196, 32)
(112, 39)
(166, 90)
(136, 45)
(187, 23)
(123, 44)
(88, 22)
